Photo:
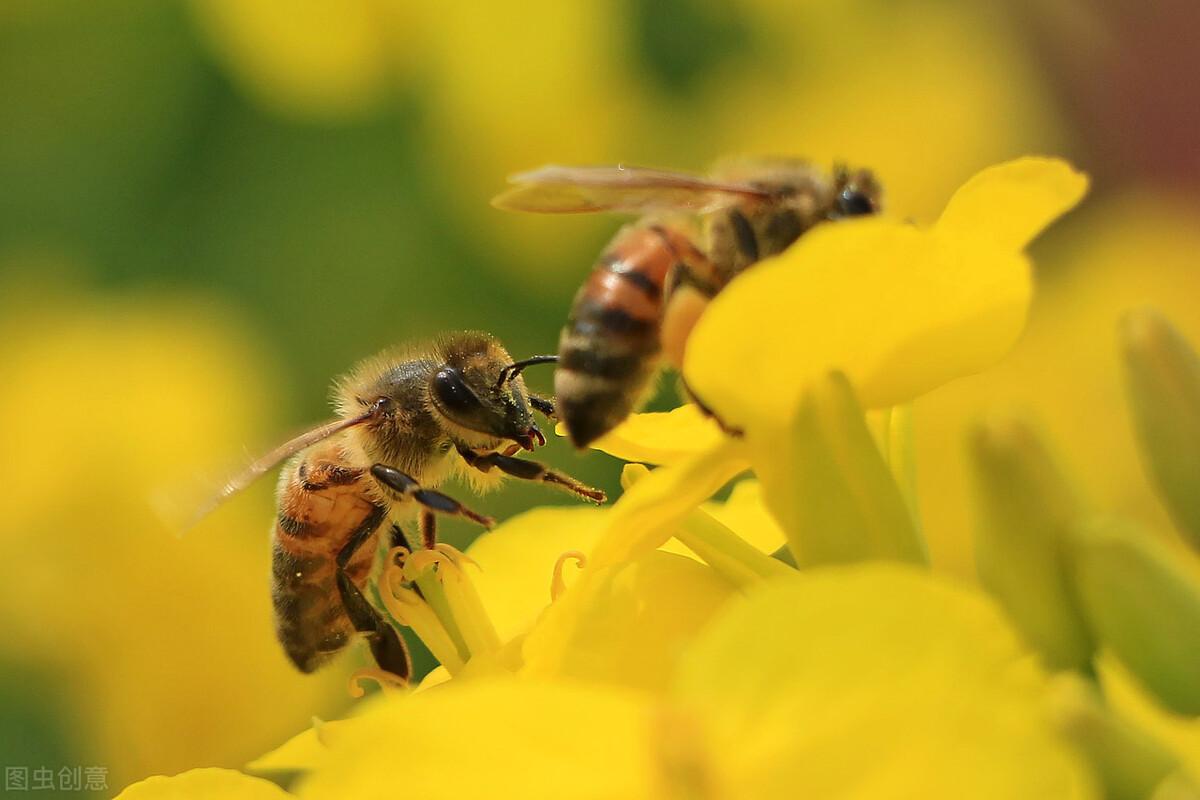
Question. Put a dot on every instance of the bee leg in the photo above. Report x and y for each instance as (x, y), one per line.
(386, 645)
(428, 526)
(530, 471)
(398, 538)
(385, 642)
(407, 486)
(544, 405)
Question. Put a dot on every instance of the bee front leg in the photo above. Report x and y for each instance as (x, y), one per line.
(407, 487)
(530, 471)
(387, 647)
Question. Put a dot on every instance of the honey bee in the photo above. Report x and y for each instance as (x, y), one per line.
(407, 420)
(657, 275)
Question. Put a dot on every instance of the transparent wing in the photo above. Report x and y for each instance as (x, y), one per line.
(264, 463)
(581, 190)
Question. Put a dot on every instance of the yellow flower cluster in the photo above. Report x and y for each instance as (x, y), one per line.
(585, 656)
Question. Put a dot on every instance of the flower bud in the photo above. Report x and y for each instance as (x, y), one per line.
(1025, 508)
(1141, 602)
(837, 499)
(1163, 381)
(1128, 763)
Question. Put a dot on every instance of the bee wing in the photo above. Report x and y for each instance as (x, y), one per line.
(579, 190)
(265, 462)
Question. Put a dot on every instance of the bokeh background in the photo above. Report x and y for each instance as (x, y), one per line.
(208, 209)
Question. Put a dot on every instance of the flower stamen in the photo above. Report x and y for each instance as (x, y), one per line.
(557, 584)
(409, 608)
(385, 679)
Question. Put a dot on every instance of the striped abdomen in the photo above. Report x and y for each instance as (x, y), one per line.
(321, 502)
(609, 348)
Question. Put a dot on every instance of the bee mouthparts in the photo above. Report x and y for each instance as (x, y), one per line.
(526, 440)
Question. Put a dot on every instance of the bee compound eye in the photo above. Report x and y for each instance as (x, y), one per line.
(853, 203)
(452, 392)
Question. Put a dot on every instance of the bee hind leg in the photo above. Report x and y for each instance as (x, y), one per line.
(386, 645)
(530, 471)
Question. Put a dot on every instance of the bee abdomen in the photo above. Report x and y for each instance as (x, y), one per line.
(609, 347)
(309, 621)
(319, 510)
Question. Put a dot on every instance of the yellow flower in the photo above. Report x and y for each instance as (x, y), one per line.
(898, 309)
(864, 681)
(311, 58)
(1118, 253)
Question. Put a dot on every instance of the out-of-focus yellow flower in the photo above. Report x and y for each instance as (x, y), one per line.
(869, 680)
(311, 58)
(873, 681)
(505, 89)
(878, 85)
(104, 405)
(1111, 257)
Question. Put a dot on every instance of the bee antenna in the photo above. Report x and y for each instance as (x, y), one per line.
(514, 369)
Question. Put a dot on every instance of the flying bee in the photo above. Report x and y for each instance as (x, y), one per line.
(407, 420)
(655, 278)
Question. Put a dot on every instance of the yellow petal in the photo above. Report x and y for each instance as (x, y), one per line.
(627, 624)
(493, 738)
(303, 751)
(202, 784)
(900, 311)
(309, 749)
(873, 681)
(516, 561)
(746, 514)
(660, 438)
(644, 517)
(1011, 203)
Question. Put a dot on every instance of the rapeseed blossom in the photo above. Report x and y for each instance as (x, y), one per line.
(582, 658)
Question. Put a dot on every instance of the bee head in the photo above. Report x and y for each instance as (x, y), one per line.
(479, 392)
(856, 192)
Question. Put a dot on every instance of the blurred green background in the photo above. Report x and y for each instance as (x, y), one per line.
(209, 209)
